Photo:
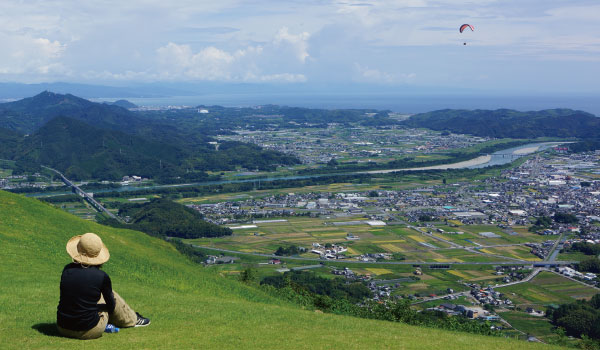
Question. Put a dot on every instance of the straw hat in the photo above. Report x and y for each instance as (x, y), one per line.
(88, 249)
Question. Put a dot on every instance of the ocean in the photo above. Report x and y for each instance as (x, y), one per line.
(408, 104)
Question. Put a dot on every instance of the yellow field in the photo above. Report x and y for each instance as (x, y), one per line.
(417, 238)
(288, 235)
(486, 251)
(352, 251)
(301, 239)
(445, 260)
(439, 236)
(528, 259)
(458, 274)
(378, 271)
(392, 241)
(455, 222)
(391, 248)
(483, 278)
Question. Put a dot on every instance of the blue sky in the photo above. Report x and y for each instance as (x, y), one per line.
(532, 46)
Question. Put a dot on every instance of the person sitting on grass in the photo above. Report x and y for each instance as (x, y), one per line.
(87, 302)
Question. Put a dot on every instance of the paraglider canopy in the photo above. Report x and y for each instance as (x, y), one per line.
(465, 26)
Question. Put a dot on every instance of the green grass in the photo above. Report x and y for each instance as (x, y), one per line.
(190, 307)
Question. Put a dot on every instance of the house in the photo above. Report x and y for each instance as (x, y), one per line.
(221, 260)
(352, 237)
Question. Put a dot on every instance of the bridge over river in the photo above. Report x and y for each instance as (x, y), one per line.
(77, 190)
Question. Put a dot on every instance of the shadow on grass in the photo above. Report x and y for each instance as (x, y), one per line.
(48, 329)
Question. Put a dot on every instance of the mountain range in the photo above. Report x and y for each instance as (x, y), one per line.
(503, 123)
(101, 141)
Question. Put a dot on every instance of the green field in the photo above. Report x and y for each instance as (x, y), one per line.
(304, 231)
(415, 246)
(190, 307)
(547, 288)
(471, 233)
(539, 327)
(80, 209)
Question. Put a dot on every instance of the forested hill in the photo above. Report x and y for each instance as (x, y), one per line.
(82, 151)
(9, 141)
(87, 140)
(164, 218)
(503, 123)
(29, 114)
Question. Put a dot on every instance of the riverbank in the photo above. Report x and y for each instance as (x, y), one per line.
(464, 164)
(527, 150)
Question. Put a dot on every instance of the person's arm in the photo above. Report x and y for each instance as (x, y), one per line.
(107, 293)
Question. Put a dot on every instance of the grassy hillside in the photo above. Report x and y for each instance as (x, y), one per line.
(189, 307)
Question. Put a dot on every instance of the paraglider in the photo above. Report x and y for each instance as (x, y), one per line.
(465, 26)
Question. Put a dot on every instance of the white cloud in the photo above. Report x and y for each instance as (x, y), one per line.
(283, 77)
(372, 75)
(251, 63)
(29, 57)
(210, 63)
(298, 42)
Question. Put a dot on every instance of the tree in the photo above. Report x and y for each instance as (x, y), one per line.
(543, 221)
(249, 275)
(424, 218)
(291, 250)
(565, 218)
(590, 265)
(577, 323)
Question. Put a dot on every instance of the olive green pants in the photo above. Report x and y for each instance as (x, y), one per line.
(123, 317)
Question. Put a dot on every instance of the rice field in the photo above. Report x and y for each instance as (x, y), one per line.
(266, 237)
(547, 288)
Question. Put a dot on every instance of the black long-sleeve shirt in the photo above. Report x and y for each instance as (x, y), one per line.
(80, 290)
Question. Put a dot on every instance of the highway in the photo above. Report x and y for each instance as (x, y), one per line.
(85, 195)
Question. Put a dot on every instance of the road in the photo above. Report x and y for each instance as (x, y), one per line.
(85, 195)
(556, 248)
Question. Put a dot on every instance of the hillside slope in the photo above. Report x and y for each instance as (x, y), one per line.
(189, 307)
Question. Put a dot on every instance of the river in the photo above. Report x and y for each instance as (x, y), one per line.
(497, 158)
